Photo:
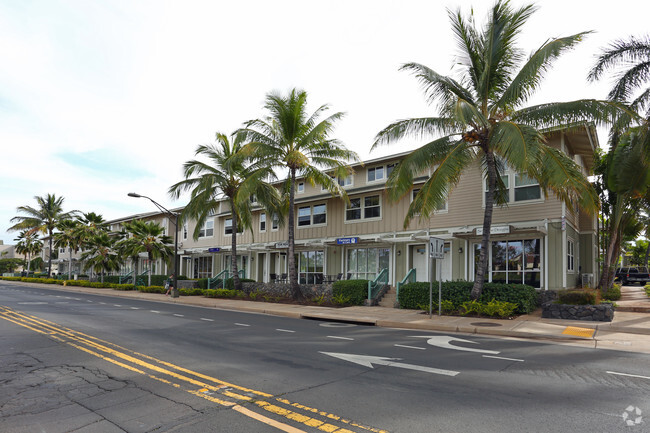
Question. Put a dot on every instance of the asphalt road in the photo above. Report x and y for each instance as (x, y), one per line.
(90, 363)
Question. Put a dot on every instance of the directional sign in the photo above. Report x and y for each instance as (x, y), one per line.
(367, 361)
(444, 341)
(436, 248)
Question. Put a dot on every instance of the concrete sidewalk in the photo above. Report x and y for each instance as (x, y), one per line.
(629, 331)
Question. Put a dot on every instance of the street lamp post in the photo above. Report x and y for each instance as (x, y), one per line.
(175, 221)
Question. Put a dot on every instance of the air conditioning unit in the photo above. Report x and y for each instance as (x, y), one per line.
(587, 280)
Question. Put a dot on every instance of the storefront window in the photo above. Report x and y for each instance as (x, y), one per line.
(513, 262)
(366, 263)
(310, 267)
(202, 267)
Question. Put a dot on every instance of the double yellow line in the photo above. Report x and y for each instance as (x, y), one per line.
(201, 385)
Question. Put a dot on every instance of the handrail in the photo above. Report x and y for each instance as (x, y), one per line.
(126, 277)
(379, 281)
(410, 277)
(225, 272)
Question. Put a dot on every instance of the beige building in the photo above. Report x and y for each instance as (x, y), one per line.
(535, 240)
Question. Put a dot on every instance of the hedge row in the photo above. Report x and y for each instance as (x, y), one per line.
(413, 295)
(350, 292)
(203, 283)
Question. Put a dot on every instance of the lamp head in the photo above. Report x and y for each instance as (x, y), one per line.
(133, 194)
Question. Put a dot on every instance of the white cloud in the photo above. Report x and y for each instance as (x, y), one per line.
(140, 84)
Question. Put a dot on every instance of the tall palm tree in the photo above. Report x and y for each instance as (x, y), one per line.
(483, 120)
(43, 219)
(100, 254)
(147, 237)
(28, 245)
(228, 173)
(68, 236)
(90, 224)
(289, 138)
(630, 59)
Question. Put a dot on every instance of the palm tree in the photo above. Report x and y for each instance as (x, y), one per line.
(631, 60)
(68, 237)
(100, 255)
(90, 224)
(28, 245)
(231, 174)
(43, 219)
(289, 138)
(482, 120)
(149, 238)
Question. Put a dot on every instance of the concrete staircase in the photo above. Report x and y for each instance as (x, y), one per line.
(389, 299)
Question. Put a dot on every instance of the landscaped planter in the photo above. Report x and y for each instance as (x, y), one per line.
(596, 313)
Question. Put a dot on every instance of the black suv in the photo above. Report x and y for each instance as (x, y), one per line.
(633, 274)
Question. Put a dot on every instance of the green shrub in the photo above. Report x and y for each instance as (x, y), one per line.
(578, 297)
(123, 287)
(149, 289)
(193, 291)
(499, 309)
(11, 278)
(413, 295)
(221, 293)
(39, 280)
(355, 290)
(341, 299)
(613, 293)
(256, 294)
(471, 307)
(647, 289)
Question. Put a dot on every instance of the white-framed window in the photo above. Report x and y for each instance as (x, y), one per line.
(310, 267)
(312, 215)
(263, 222)
(380, 172)
(275, 222)
(300, 187)
(342, 181)
(570, 258)
(184, 231)
(440, 208)
(522, 189)
(208, 229)
(61, 250)
(363, 208)
(253, 198)
(227, 227)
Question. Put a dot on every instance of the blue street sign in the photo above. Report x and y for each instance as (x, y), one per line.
(214, 250)
(347, 241)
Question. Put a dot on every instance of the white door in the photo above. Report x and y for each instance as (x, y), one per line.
(419, 259)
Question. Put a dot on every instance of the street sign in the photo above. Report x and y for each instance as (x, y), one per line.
(214, 250)
(347, 241)
(436, 248)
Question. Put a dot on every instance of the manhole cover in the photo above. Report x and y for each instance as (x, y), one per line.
(486, 324)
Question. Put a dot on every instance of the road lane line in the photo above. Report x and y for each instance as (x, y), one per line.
(340, 338)
(154, 311)
(179, 315)
(501, 357)
(266, 420)
(284, 330)
(135, 308)
(207, 320)
(116, 305)
(628, 375)
(411, 347)
(153, 368)
(241, 324)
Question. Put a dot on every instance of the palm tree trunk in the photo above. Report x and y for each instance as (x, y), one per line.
(479, 277)
(609, 264)
(149, 273)
(70, 264)
(49, 259)
(296, 293)
(233, 257)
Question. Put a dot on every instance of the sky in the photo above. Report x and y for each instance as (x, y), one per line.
(99, 98)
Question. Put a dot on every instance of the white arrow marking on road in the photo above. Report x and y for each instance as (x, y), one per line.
(367, 361)
(444, 341)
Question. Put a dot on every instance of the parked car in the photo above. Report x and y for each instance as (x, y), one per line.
(633, 274)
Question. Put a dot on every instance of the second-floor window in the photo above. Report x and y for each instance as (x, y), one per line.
(312, 215)
(227, 227)
(275, 221)
(440, 208)
(523, 189)
(361, 208)
(300, 188)
(185, 231)
(570, 255)
(263, 222)
(207, 229)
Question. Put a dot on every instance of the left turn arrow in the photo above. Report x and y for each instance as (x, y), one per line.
(368, 361)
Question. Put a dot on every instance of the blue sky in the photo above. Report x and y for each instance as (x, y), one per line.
(100, 98)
